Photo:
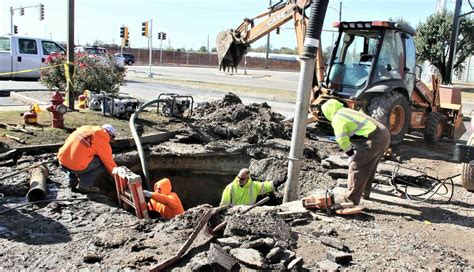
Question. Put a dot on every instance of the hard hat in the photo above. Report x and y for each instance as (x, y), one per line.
(110, 129)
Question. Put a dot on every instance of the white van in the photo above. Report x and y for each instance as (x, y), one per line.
(24, 53)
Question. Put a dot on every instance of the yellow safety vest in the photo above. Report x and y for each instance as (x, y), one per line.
(247, 195)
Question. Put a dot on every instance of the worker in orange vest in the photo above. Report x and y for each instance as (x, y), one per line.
(163, 200)
(86, 154)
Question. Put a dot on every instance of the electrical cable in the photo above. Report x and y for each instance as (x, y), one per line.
(429, 186)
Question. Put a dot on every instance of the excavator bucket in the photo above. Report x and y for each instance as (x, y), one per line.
(229, 50)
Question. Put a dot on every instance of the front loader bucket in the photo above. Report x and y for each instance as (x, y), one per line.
(229, 51)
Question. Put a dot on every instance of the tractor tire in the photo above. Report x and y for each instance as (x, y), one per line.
(391, 109)
(434, 127)
(467, 174)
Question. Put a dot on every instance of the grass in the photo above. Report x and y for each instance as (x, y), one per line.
(45, 134)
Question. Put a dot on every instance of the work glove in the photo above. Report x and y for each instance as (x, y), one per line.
(147, 193)
(277, 183)
(351, 155)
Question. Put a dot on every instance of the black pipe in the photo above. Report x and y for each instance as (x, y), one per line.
(315, 26)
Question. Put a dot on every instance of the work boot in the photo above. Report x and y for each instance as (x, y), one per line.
(87, 190)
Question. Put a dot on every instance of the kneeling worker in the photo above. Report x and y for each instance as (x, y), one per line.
(370, 139)
(163, 200)
(244, 191)
(86, 154)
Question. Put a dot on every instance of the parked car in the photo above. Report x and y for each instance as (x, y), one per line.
(19, 53)
(96, 50)
(128, 58)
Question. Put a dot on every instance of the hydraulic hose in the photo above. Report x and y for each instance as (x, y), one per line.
(136, 137)
(311, 44)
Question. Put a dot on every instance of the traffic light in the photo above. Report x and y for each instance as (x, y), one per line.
(22, 11)
(159, 35)
(41, 12)
(126, 36)
(145, 29)
(278, 30)
(122, 32)
(163, 36)
(15, 29)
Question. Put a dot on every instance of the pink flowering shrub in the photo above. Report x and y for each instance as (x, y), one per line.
(91, 72)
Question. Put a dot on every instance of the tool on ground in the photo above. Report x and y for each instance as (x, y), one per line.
(325, 202)
(423, 187)
(49, 201)
(28, 168)
(18, 139)
(130, 191)
(38, 176)
(175, 105)
(223, 224)
(202, 222)
(31, 117)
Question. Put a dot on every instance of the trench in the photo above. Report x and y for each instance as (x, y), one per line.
(197, 179)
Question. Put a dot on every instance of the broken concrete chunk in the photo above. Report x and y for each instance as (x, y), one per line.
(249, 257)
(218, 256)
(299, 222)
(199, 262)
(230, 241)
(337, 173)
(262, 243)
(287, 256)
(332, 242)
(335, 161)
(342, 183)
(274, 255)
(295, 263)
(339, 257)
(328, 265)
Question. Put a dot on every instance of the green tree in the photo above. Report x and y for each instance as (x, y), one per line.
(400, 20)
(202, 49)
(433, 41)
(260, 49)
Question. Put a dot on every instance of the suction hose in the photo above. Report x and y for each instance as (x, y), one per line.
(311, 45)
(136, 137)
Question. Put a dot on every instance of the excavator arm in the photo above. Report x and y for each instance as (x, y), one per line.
(232, 44)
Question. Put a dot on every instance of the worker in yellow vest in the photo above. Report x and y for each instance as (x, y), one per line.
(364, 140)
(244, 191)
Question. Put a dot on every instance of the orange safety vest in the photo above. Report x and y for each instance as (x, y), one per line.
(82, 145)
(165, 202)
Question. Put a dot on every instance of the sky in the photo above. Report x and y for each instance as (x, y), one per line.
(188, 23)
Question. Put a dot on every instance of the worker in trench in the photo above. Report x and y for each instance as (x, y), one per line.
(364, 140)
(244, 191)
(163, 201)
(86, 154)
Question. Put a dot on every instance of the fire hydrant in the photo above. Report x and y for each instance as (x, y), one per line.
(58, 109)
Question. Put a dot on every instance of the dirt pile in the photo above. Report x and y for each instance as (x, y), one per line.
(229, 119)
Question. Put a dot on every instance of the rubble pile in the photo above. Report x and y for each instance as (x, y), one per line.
(229, 119)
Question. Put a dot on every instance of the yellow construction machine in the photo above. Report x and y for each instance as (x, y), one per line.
(372, 68)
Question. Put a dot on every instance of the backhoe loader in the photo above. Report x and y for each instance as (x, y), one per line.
(372, 68)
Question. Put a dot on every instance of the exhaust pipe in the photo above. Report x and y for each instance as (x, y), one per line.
(38, 177)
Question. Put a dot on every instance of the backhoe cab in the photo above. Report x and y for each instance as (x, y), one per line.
(373, 67)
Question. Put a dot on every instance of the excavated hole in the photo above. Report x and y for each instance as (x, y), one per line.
(196, 179)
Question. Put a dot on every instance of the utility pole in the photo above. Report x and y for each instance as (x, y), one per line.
(70, 54)
(161, 50)
(150, 41)
(268, 41)
(11, 20)
(454, 37)
(340, 11)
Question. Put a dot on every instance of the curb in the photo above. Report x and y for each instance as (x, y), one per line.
(26, 99)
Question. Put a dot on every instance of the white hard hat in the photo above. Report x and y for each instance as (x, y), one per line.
(110, 129)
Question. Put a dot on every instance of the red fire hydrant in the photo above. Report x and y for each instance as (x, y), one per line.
(58, 109)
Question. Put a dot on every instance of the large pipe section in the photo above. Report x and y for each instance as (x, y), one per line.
(38, 176)
(311, 45)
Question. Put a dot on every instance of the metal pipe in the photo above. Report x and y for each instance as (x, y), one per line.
(311, 44)
(38, 183)
(136, 137)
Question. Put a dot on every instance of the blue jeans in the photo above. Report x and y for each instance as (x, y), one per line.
(87, 176)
